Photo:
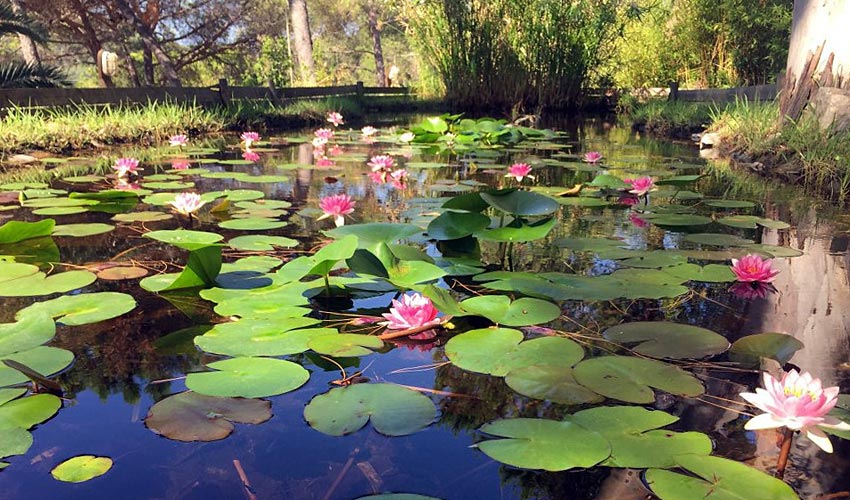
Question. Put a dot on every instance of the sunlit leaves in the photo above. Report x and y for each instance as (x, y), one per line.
(248, 378)
(81, 469)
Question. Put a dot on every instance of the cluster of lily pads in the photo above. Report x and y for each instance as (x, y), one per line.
(267, 302)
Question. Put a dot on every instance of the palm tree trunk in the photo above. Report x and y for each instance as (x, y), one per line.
(28, 48)
(380, 73)
(302, 40)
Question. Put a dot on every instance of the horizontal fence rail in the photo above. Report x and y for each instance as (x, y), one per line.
(202, 96)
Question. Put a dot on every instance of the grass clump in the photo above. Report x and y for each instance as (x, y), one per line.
(669, 118)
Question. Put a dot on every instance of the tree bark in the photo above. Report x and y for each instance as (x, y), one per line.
(818, 54)
(147, 65)
(375, 30)
(302, 40)
(92, 42)
(166, 64)
(28, 47)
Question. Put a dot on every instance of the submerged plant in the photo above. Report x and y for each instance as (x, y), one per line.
(336, 206)
(752, 268)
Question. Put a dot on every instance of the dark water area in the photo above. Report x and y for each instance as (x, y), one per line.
(124, 366)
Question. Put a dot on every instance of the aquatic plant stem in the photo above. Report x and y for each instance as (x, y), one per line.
(327, 286)
(787, 438)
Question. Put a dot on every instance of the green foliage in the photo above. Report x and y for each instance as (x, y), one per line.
(272, 64)
(17, 74)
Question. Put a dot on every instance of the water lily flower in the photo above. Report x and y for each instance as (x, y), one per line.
(178, 140)
(251, 156)
(637, 221)
(335, 150)
(751, 267)
(399, 177)
(249, 138)
(592, 156)
(751, 290)
(179, 165)
(319, 142)
(381, 162)
(378, 177)
(324, 133)
(125, 185)
(412, 311)
(335, 118)
(519, 171)
(797, 402)
(368, 131)
(336, 206)
(125, 166)
(407, 137)
(641, 186)
(187, 203)
(324, 162)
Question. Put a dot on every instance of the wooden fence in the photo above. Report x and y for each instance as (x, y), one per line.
(723, 96)
(222, 94)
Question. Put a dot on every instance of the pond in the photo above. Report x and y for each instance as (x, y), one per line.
(582, 348)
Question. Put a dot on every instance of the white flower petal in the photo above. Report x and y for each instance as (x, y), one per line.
(763, 421)
(819, 438)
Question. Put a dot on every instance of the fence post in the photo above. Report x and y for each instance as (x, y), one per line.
(359, 92)
(674, 91)
(223, 91)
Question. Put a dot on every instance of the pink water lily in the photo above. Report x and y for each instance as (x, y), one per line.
(336, 206)
(519, 171)
(592, 156)
(637, 221)
(751, 267)
(381, 162)
(399, 177)
(335, 118)
(178, 140)
(249, 138)
(378, 177)
(324, 162)
(641, 185)
(751, 290)
(250, 156)
(319, 142)
(125, 166)
(187, 203)
(180, 165)
(798, 402)
(412, 311)
(324, 133)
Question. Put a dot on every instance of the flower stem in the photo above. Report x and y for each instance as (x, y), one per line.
(327, 286)
(787, 437)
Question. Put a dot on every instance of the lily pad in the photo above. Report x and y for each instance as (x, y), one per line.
(452, 225)
(248, 378)
(730, 203)
(14, 441)
(775, 250)
(630, 379)
(751, 222)
(82, 309)
(521, 203)
(262, 337)
(716, 479)
(777, 346)
(190, 416)
(252, 224)
(394, 410)
(521, 312)
(24, 280)
(261, 243)
(518, 231)
(120, 273)
(550, 383)
(635, 437)
(189, 240)
(27, 412)
(81, 469)
(45, 360)
(15, 231)
(82, 230)
(550, 445)
(347, 344)
(498, 351)
(662, 339)
(60, 211)
(148, 216)
(677, 219)
(717, 239)
(29, 332)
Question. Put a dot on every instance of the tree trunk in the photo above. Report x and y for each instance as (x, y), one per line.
(302, 40)
(147, 64)
(28, 48)
(380, 73)
(92, 42)
(818, 54)
(131, 66)
(166, 65)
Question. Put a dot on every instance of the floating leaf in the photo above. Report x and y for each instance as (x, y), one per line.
(609, 181)
(27, 412)
(751, 222)
(630, 379)
(82, 230)
(189, 240)
(677, 219)
(14, 441)
(521, 312)
(82, 309)
(81, 469)
(262, 337)
(24, 280)
(119, 273)
(655, 259)
(730, 203)
(29, 332)
(142, 217)
(15, 231)
(190, 416)
(394, 410)
(717, 239)
(248, 378)
(550, 383)
(544, 444)
(774, 250)
(778, 346)
(521, 203)
(347, 344)
(679, 180)
(711, 273)
(718, 479)
(45, 360)
(634, 441)
(498, 351)
(252, 224)
(52, 211)
(662, 339)
(261, 243)
(453, 225)
(518, 231)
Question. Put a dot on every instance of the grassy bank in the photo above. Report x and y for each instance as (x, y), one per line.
(669, 119)
(77, 128)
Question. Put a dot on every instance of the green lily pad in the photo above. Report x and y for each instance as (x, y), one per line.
(190, 416)
(630, 379)
(60, 211)
(717, 239)
(750, 349)
(14, 441)
(609, 181)
(679, 180)
(372, 233)
(711, 273)
(27, 412)
(655, 259)
(453, 225)
(751, 222)
(550, 383)
(149, 216)
(521, 312)
(521, 203)
(189, 240)
(45, 360)
(82, 309)
(774, 250)
(82, 230)
(550, 445)
(677, 219)
(730, 203)
(252, 224)
(169, 186)
(661, 339)
(261, 243)
(347, 344)
(24, 280)
(15, 231)
(30, 332)
(58, 202)
(498, 351)
(233, 195)
(636, 441)
(262, 337)
(81, 469)
(717, 479)
(248, 378)
(263, 205)
(394, 410)
(408, 273)
(518, 231)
